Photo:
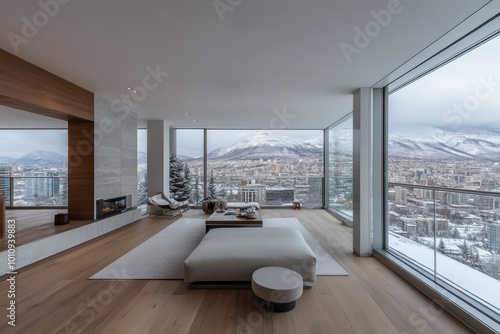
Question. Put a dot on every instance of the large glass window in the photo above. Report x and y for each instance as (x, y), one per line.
(444, 176)
(340, 167)
(190, 148)
(274, 168)
(33, 167)
(142, 167)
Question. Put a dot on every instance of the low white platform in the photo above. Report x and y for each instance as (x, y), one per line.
(43, 248)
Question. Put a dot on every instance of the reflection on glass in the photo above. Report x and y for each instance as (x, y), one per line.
(340, 166)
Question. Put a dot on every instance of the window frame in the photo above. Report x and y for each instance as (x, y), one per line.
(471, 311)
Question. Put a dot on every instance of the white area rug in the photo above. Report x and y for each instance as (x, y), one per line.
(162, 256)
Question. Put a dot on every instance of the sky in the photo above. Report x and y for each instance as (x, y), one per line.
(462, 93)
(190, 141)
(15, 143)
(142, 143)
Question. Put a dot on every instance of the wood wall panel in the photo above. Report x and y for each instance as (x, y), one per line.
(28, 87)
(81, 170)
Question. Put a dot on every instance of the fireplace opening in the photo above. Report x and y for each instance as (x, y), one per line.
(110, 207)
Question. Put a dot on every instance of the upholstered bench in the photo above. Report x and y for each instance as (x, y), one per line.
(234, 254)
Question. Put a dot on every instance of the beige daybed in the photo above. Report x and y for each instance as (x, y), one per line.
(233, 254)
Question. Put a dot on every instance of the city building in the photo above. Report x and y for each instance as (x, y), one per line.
(5, 181)
(42, 184)
(494, 236)
(253, 193)
(279, 196)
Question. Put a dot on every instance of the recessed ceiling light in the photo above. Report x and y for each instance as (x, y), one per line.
(188, 114)
(129, 88)
(195, 120)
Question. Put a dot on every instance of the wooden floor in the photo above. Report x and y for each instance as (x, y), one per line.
(55, 295)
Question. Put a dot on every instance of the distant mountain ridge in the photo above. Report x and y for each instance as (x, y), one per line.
(265, 146)
(417, 142)
(41, 158)
(425, 142)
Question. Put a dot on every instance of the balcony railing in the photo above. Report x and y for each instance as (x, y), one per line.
(34, 191)
(450, 235)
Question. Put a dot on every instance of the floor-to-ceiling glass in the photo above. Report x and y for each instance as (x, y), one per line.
(273, 168)
(142, 167)
(190, 149)
(444, 174)
(34, 167)
(340, 166)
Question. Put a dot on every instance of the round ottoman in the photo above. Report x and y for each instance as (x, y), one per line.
(279, 287)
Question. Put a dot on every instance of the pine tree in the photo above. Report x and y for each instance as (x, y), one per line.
(476, 260)
(177, 179)
(186, 190)
(466, 252)
(211, 186)
(455, 234)
(197, 191)
(441, 246)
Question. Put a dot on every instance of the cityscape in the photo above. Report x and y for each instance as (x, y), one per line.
(36, 179)
(458, 218)
(272, 170)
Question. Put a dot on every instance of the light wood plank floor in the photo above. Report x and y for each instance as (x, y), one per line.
(55, 295)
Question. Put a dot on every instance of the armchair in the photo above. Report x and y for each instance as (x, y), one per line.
(161, 204)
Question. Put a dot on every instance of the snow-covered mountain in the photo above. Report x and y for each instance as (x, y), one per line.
(40, 158)
(435, 143)
(341, 141)
(265, 146)
(184, 157)
(418, 142)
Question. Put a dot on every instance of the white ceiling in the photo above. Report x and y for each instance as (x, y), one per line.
(264, 59)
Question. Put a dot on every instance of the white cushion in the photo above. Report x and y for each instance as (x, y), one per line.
(242, 205)
(233, 254)
(161, 201)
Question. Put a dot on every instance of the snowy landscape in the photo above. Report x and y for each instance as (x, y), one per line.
(460, 221)
(456, 273)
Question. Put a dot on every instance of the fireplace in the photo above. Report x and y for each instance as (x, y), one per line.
(110, 207)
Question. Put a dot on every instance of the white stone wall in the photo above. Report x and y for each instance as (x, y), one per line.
(115, 155)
